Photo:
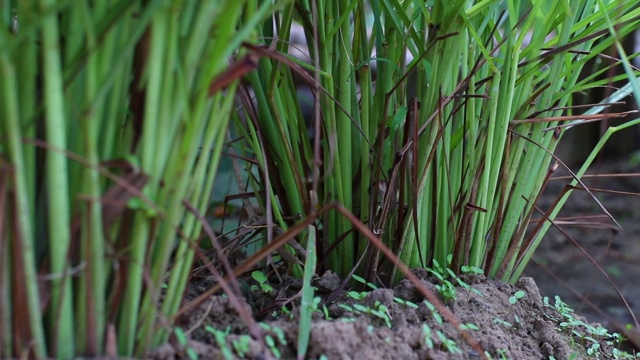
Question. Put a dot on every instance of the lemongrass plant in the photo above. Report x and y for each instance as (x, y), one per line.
(434, 122)
(114, 114)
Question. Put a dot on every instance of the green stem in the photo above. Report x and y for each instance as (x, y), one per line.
(61, 317)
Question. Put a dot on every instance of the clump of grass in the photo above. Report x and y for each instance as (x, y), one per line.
(114, 115)
(433, 129)
(434, 125)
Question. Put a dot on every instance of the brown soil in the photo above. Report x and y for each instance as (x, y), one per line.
(504, 324)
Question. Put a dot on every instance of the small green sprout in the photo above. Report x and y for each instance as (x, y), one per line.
(434, 313)
(363, 281)
(379, 310)
(448, 344)
(444, 274)
(502, 353)
(356, 295)
(405, 302)
(182, 339)
(325, 312)
(469, 326)
(270, 341)
(241, 345)
(263, 281)
(502, 322)
(471, 270)
(221, 340)
(517, 296)
(426, 332)
(517, 319)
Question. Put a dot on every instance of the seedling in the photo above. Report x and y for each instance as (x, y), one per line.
(594, 348)
(502, 353)
(363, 281)
(471, 270)
(443, 274)
(262, 281)
(469, 326)
(220, 338)
(271, 342)
(379, 310)
(517, 296)
(325, 310)
(426, 332)
(405, 302)
(241, 345)
(445, 288)
(517, 319)
(467, 286)
(182, 339)
(286, 312)
(359, 295)
(434, 313)
(356, 295)
(502, 322)
(448, 344)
